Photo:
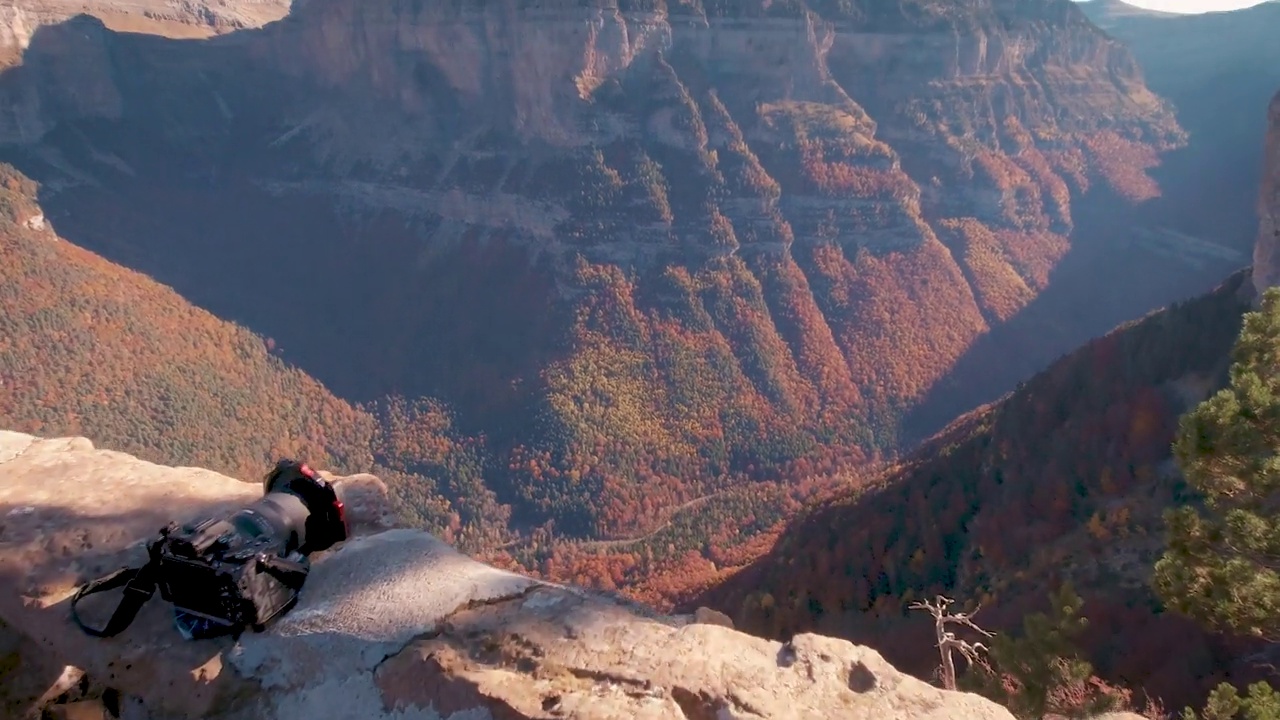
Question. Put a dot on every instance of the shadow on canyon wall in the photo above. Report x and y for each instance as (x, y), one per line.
(157, 174)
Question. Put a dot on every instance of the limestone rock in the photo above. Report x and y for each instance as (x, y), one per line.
(709, 616)
(393, 623)
(554, 654)
(201, 18)
(365, 497)
(28, 677)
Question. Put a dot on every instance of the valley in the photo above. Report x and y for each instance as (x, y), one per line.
(645, 253)
(623, 293)
(1202, 64)
(1064, 479)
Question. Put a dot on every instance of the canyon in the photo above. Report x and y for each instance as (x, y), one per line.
(1219, 70)
(610, 292)
(1065, 479)
(642, 253)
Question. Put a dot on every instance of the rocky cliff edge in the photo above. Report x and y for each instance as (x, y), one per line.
(393, 623)
(169, 18)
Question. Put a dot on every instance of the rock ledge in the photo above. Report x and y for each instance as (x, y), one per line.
(393, 623)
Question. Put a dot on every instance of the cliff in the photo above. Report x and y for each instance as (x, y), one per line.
(1218, 70)
(641, 256)
(1266, 253)
(392, 623)
(191, 19)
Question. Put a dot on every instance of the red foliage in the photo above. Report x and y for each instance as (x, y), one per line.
(843, 179)
(1061, 477)
(1006, 267)
(1123, 164)
(1052, 186)
(902, 318)
(91, 348)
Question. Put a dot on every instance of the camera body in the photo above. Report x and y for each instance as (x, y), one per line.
(245, 569)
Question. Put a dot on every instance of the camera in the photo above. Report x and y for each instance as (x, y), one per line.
(225, 574)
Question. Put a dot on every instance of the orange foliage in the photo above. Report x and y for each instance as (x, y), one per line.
(88, 347)
(1034, 162)
(1007, 268)
(1124, 164)
(842, 179)
(1053, 480)
(1020, 203)
(902, 318)
(1071, 164)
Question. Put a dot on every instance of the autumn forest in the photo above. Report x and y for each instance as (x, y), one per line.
(726, 315)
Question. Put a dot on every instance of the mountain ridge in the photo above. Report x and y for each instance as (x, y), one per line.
(1064, 479)
(1106, 10)
(91, 347)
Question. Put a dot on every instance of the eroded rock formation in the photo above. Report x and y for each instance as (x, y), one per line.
(662, 248)
(392, 623)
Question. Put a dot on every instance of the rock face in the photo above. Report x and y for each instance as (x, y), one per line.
(1266, 253)
(1219, 70)
(648, 251)
(19, 21)
(393, 623)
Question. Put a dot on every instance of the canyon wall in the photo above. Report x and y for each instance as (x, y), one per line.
(1266, 253)
(645, 254)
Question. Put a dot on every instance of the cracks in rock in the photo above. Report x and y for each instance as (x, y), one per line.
(472, 655)
(456, 663)
(444, 628)
(34, 442)
(701, 705)
(600, 676)
(861, 679)
(477, 603)
(696, 706)
(786, 655)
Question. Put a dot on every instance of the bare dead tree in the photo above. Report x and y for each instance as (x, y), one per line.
(947, 640)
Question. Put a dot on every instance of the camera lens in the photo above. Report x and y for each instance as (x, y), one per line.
(303, 507)
(280, 517)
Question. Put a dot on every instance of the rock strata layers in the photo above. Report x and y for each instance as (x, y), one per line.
(646, 253)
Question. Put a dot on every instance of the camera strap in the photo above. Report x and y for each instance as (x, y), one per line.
(139, 585)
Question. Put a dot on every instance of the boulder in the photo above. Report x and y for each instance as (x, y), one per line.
(393, 623)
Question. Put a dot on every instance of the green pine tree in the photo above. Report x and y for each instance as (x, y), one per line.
(1223, 557)
(1222, 562)
(1041, 673)
(1225, 703)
